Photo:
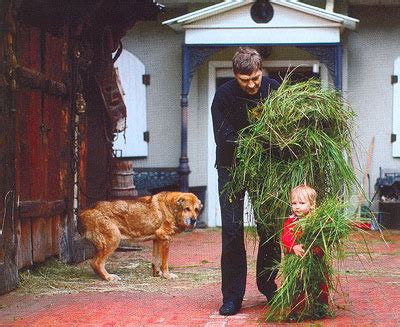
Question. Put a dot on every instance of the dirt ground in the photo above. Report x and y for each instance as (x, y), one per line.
(74, 296)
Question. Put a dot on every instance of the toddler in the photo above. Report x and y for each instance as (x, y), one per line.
(302, 202)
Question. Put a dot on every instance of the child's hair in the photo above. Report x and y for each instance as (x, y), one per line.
(305, 191)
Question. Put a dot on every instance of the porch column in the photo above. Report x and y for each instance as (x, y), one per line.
(192, 57)
(183, 169)
(338, 67)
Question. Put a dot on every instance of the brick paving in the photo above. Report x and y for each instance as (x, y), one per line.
(370, 293)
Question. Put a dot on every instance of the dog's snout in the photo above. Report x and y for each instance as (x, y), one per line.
(192, 221)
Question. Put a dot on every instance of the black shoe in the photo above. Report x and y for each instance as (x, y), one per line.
(229, 308)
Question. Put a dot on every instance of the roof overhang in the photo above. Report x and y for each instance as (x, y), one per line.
(230, 22)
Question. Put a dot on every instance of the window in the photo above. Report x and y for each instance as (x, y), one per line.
(396, 110)
(130, 71)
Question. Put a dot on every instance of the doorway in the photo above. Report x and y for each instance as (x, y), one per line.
(220, 72)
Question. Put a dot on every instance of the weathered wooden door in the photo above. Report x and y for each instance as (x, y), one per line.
(8, 240)
(42, 143)
(56, 146)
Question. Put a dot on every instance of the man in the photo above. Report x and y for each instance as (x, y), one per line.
(230, 114)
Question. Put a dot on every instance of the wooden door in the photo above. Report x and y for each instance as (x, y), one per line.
(42, 143)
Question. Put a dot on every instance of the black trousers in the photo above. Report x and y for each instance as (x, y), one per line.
(233, 257)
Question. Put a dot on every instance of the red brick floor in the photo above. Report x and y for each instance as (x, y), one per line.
(371, 293)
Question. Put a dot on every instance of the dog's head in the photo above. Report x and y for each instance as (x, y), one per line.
(189, 209)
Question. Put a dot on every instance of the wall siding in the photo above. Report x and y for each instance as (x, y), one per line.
(372, 50)
(159, 48)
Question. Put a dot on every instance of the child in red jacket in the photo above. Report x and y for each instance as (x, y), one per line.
(302, 201)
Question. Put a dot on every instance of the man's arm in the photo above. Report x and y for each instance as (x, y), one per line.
(224, 133)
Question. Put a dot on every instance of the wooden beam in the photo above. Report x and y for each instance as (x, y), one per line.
(31, 209)
(36, 80)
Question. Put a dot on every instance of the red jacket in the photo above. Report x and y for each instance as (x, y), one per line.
(289, 240)
(289, 236)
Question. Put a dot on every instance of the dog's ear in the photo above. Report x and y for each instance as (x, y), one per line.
(181, 200)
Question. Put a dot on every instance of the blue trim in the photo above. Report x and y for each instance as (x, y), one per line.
(185, 70)
(193, 57)
(330, 54)
(338, 67)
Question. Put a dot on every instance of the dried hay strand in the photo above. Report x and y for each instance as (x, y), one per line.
(55, 277)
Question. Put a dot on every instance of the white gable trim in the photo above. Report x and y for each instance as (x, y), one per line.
(176, 23)
(179, 23)
(346, 21)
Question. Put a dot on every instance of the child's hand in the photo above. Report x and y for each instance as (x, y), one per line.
(299, 250)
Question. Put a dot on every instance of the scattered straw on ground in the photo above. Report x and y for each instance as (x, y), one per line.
(134, 268)
(55, 276)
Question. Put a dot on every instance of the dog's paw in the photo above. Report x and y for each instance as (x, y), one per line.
(113, 278)
(169, 276)
(157, 273)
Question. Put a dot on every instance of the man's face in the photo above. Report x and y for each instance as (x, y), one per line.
(250, 83)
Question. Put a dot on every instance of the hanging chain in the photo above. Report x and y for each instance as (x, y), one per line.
(79, 108)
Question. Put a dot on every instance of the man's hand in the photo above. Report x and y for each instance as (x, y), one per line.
(316, 250)
(299, 250)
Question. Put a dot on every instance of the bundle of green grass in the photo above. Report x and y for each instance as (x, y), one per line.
(301, 134)
(299, 295)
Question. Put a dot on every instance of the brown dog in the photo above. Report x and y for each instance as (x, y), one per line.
(156, 218)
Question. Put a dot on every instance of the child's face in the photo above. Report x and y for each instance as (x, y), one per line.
(300, 205)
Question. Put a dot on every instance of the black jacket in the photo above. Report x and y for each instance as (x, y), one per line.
(230, 114)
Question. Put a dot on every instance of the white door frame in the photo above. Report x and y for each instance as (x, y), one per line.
(213, 209)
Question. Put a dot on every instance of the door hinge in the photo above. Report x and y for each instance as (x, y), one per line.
(394, 79)
(146, 79)
(146, 136)
(393, 138)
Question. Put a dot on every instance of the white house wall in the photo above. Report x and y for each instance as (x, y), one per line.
(197, 129)
(372, 51)
(369, 59)
(159, 49)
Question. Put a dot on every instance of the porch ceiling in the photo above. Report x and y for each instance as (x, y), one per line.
(375, 2)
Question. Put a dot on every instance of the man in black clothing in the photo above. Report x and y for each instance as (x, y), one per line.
(229, 110)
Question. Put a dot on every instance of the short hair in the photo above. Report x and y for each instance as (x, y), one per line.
(246, 60)
(305, 191)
